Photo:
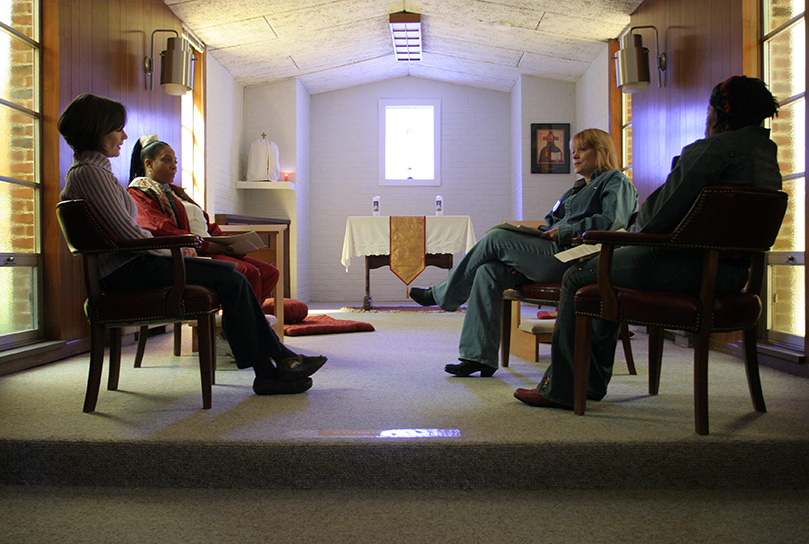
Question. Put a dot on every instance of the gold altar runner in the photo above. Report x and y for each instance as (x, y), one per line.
(407, 246)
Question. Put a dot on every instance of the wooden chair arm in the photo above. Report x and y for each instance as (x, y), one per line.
(609, 240)
(609, 300)
(88, 234)
(146, 244)
(174, 298)
(606, 288)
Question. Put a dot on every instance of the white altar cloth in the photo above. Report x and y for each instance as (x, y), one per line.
(371, 236)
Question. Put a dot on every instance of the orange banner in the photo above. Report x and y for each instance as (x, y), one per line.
(408, 237)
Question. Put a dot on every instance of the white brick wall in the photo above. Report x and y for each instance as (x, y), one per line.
(303, 146)
(329, 143)
(592, 94)
(223, 138)
(518, 165)
(274, 110)
(543, 101)
(476, 175)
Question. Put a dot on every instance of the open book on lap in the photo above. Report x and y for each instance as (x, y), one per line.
(576, 252)
(241, 244)
(531, 231)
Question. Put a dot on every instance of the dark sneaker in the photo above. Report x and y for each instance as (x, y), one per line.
(264, 386)
(299, 366)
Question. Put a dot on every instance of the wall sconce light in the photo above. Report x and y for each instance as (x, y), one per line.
(632, 62)
(405, 29)
(177, 68)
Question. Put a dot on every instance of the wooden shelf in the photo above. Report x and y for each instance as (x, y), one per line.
(266, 185)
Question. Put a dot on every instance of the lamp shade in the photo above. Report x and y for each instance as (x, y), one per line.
(632, 64)
(177, 71)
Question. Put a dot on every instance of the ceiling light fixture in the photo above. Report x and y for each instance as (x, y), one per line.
(405, 29)
(632, 62)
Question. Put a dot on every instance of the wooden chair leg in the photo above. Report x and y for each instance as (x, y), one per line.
(178, 339)
(505, 332)
(115, 359)
(213, 349)
(655, 358)
(630, 360)
(581, 363)
(206, 351)
(701, 383)
(96, 366)
(751, 367)
(143, 335)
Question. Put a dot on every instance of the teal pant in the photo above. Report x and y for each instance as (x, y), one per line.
(500, 260)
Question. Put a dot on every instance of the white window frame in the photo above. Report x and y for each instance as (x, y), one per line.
(16, 332)
(778, 258)
(436, 104)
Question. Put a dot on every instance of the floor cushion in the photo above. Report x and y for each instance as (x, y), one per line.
(295, 311)
(324, 324)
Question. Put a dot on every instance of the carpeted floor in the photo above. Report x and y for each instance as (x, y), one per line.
(383, 418)
(38, 515)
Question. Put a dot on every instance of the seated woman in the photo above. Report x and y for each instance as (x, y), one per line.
(164, 209)
(602, 199)
(736, 150)
(93, 126)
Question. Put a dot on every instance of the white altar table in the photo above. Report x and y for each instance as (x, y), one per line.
(369, 237)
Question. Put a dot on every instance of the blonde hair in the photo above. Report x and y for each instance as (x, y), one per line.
(606, 155)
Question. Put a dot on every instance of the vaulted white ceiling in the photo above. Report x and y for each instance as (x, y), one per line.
(334, 44)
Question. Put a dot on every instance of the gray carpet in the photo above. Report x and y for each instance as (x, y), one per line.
(383, 415)
(99, 516)
(388, 448)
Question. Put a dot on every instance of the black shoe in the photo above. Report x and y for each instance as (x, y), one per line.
(299, 366)
(422, 295)
(465, 368)
(265, 386)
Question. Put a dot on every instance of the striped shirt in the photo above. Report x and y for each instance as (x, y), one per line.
(90, 178)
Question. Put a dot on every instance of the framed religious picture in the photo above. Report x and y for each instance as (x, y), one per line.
(550, 148)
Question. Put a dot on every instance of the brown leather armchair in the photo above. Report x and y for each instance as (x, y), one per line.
(730, 219)
(88, 235)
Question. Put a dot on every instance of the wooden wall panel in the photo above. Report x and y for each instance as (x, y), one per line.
(94, 46)
(704, 44)
(616, 103)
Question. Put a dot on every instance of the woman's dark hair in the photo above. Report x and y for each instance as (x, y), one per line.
(87, 119)
(740, 101)
(137, 166)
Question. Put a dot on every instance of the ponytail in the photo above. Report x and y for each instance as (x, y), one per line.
(146, 147)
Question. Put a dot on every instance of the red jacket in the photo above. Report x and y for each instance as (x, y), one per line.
(152, 218)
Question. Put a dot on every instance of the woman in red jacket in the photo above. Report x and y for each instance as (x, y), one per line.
(164, 209)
